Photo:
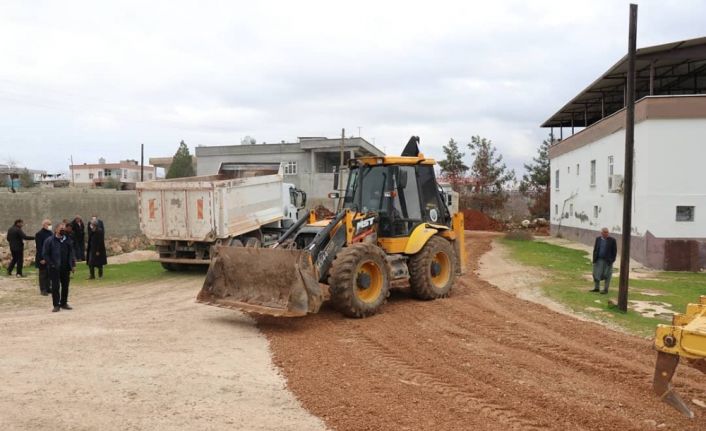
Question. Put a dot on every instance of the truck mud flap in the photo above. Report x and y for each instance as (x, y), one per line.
(277, 282)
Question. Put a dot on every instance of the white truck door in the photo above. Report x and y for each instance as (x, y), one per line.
(199, 215)
(151, 215)
(175, 205)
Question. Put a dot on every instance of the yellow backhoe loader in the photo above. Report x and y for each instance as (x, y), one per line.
(394, 229)
(685, 338)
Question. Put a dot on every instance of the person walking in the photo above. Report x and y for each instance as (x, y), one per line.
(79, 229)
(96, 257)
(39, 238)
(605, 250)
(58, 255)
(16, 238)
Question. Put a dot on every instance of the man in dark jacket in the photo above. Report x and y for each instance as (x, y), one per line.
(59, 257)
(79, 229)
(605, 251)
(39, 238)
(96, 257)
(16, 238)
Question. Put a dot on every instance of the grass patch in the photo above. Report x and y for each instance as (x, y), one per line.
(568, 280)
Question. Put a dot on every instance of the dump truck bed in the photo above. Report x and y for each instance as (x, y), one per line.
(241, 198)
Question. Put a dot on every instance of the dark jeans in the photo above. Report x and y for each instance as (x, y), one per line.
(44, 282)
(17, 259)
(79, 250)
(59, 285)
(92, 270)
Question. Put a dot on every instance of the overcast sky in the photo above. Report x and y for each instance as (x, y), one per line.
(94, 79)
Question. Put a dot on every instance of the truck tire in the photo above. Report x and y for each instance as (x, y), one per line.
(359, 280)
(433, 269)
(252, 242)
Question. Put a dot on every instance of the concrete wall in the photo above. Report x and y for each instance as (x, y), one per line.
(117, 209)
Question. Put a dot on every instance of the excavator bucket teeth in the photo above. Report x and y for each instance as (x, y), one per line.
(277, 282)
(664, 371)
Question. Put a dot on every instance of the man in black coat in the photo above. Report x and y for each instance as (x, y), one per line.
(59, 257)
(39, 238)
(605, 250)
(79, 237)
(16, 238)
(96, 256)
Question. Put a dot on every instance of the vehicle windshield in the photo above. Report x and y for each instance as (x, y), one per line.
(366, 188)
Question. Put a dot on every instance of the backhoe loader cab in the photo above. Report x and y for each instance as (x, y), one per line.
(394, 230)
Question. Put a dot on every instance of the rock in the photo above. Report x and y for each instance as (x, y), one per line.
(699, 403)
(651, 423)
(525, 223)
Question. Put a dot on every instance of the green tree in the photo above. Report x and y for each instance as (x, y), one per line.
(182, 165)
(111, 183)
(453, 167)
(535, 183)
(490, 175)
(26, 179)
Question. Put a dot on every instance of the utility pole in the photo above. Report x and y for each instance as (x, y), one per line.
(73, 183)
(340, 171)
(142, 162)
(629, 156)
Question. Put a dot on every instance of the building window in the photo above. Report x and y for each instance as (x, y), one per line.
(571, 209)
(90, 176)
(107, 172)
(149, 176)
(577, 169)
(595, 211)
(556, 180)
(125, 174)
(290, 168)
(685, 213)
(100, 174)
(556, 209)
(593, 172)
(610, 172)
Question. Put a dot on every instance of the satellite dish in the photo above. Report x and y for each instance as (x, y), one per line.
(248, 140)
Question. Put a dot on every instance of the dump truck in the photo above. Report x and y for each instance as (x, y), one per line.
(394, 230)
(684, 339)
(244, 204)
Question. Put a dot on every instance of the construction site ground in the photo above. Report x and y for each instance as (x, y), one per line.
(145, 356)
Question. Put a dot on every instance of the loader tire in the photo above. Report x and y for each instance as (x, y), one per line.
(359, 280)
(432, 271)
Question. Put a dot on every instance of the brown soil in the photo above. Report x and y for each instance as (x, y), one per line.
(481, 359)
(476, 220)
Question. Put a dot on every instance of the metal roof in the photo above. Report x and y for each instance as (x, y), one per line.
(669, 69)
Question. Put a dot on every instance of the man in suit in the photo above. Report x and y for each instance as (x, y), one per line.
(16, 238)
(605, 250)
(58, 256)
(39, 238)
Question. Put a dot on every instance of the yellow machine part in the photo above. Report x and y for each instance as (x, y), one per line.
(685, 339)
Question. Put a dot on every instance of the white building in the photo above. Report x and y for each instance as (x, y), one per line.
(669, 177)
(127, 173)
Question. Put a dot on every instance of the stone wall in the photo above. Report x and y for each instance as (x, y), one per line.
(117, 209)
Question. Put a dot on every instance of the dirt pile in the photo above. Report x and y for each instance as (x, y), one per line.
(476, 220)
(480, 359)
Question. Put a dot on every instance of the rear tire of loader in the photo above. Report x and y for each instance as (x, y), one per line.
(433, 270)
(359, 280)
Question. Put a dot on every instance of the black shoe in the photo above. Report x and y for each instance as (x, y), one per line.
(91, 278)
(55, 309)
(67, 307)
(603, 292)
(594, 290)
(20, 276)
(44, 293)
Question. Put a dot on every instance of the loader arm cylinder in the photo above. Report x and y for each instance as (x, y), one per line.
(295, 227)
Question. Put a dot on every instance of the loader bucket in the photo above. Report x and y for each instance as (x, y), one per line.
(278, 282)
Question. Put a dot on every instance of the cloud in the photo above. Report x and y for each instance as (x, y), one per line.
(97, 79)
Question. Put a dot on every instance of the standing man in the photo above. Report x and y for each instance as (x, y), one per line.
(96, 251)
(39, 238)
(605, 251)
(59, 257)
(79, 229)
(16, 238)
